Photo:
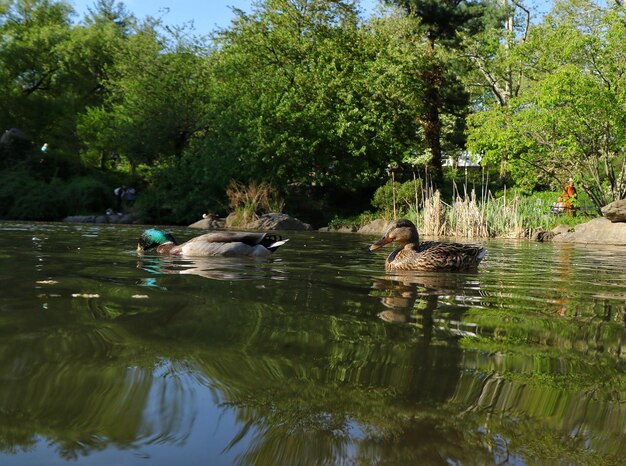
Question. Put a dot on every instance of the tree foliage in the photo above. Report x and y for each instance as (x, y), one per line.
(319, 100)
(308, 96)
(568, 120)
(442, 24)
(34, 77)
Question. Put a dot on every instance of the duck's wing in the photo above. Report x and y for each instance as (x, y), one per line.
(250, 238)
(231, 243)
(436, 256)
(451, 256)
(424, 245)
(210, 248)
(409, 257)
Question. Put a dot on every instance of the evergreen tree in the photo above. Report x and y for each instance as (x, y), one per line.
(440, 22)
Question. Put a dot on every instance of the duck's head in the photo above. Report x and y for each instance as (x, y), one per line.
(153, 238)
(402, 231)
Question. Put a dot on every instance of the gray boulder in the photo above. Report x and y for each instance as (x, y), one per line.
(376, 227)
(543, 236)
(597, 231)
(121, 219)
(14, 144)
(279, 222)
(615, 211)
(209, 223)
(340, 229)
(562, 228)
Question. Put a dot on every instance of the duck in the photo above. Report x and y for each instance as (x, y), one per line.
(428, 255)
(223, 243)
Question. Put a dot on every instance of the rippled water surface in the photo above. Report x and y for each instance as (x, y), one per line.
(316, 356)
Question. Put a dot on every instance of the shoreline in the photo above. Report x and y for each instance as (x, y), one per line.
(596, 231)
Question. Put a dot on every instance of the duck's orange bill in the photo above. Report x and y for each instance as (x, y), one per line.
(380, 243)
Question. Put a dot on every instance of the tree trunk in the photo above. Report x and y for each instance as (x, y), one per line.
(431, 122)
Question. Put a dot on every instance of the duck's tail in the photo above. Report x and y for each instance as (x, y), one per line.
(275, 245)
(273, 242)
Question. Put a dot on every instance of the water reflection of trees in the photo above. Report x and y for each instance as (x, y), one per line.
(311, 377)
(331, 387)
(85, 390)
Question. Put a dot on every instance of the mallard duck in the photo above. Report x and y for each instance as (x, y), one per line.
(428, 255)
(223, 243)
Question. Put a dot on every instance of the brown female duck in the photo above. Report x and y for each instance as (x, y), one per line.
(429, 255)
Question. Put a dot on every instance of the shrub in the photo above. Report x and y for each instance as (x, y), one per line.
(24, 197)
(86, 195)
(508, 215)
(403, 196)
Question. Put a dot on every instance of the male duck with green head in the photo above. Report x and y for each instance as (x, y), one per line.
(223, 243)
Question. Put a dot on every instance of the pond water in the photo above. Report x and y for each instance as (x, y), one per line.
(316, 356)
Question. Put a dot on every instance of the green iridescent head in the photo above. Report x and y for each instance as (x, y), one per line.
(152, 238)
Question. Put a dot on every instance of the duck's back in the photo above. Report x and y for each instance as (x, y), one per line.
(227, 243)
(432, 256)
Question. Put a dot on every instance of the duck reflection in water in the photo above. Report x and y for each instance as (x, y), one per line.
(404, 293)
(413, 298)
(214, 268)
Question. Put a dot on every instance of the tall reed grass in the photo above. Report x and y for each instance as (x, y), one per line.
(471, 215)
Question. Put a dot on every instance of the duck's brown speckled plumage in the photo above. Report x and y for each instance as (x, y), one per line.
(426, 256)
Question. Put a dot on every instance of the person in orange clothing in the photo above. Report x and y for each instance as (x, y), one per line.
(568, 198)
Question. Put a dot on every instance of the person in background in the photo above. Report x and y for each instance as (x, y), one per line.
(44, 152)
(131, 195)
(120, 194)
(569, 197)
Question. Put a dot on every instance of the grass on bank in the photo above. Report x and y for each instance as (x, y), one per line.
(250, 201)
(471, 214)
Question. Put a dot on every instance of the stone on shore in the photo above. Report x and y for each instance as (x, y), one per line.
(562, 228)
(209, 223)
(272, 221)
(543, 236)
(376, 227)
(101, 219)
(597, 231)
(340, 229)
(615, 211)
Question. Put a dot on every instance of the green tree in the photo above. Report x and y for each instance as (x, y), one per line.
(496, 66)
(95, 47)
(498, 70)
(568, 120)
(52, 70)
(33, 71)
(307, 96)
(157, 92)
(441, 22)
